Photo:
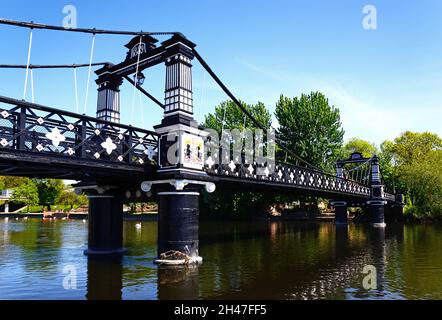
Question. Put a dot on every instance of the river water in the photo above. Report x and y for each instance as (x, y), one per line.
(242, 260)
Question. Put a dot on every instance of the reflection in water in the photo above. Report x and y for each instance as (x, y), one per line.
(178, 283)
(246, 260)
(104, 278)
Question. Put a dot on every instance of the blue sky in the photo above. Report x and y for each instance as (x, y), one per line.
(384, 81)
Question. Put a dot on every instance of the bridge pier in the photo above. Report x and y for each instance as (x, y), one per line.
(105, 231)
(178, 223)
(377, 212)
(178, 218)
(340, 212)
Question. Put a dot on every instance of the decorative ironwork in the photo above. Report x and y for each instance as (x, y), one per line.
(34, 128)
(286, 174)
(293, 176)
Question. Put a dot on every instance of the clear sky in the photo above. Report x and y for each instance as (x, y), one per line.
(384, 81)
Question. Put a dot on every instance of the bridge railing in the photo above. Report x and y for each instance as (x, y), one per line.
(286, 174)
(30, 127)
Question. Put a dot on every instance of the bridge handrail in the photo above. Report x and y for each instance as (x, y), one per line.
(22, 103)
(320, 171)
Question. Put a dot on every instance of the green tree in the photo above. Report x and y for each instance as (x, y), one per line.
(234, 118)
(223, 201)
(413, 146)
(26, 193)
(413, 163)
(311, 128)
(367, 148)
(49, 191)
(11, 182)
(70, 198)
(423, 179)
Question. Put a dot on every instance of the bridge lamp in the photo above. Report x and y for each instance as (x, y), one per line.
(139, 79)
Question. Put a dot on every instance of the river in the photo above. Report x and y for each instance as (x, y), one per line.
(242, 260)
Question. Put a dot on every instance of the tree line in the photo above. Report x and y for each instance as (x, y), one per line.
(41, 192)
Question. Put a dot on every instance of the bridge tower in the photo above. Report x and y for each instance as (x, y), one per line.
(180, 176)
(108, 101)
(377, 202)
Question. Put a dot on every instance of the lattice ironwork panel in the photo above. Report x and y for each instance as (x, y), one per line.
(29, 127)
(286, 174)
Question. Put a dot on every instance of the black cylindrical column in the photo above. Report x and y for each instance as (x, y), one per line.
(398, 213)
(105, 224)
(178, 223)
(376, 210)
(340, 212)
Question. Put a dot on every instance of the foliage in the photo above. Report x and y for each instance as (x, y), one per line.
(411, 147)
(234, 118)
(311, 128)
(424, 183)
(71, 199)
(367, 148)
(49, 190)
(413, 162)
(11, 182)
(26, 193)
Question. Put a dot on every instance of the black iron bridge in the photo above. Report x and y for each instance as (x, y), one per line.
(118, 163)
(43, 142)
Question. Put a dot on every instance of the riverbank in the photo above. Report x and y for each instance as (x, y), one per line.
(149, 216)
(153, 216)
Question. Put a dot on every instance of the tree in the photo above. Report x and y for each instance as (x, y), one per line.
(414, 164)
(311, 128)
(424, 181)
(70, 198)
(367, 149)
(49, 191)
(11, 182)
(413, 146)
(234, 118)
(229, 201)
(26, 193)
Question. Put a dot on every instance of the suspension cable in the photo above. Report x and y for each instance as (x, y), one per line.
(33, 25)
(147, 94)
(135, 80)
(89, 73)
(224, 117)
(249, 115)
(52, 66)
(76, 90)
(27, 65)
(32, 87)
(141, 108)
